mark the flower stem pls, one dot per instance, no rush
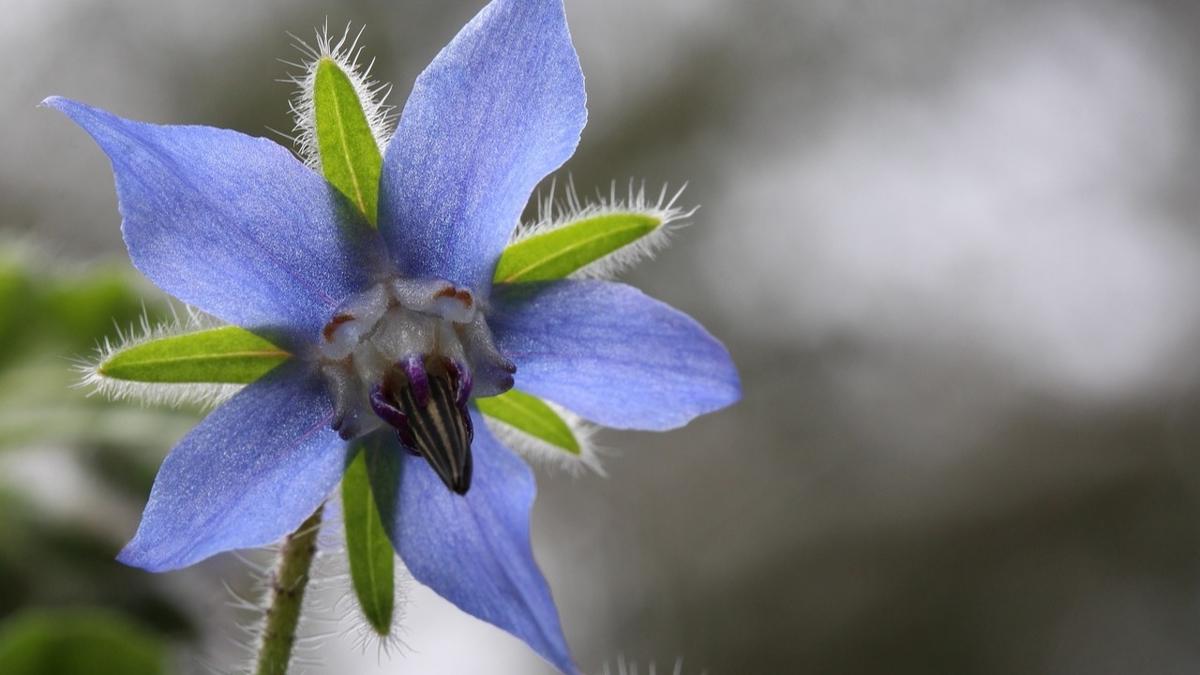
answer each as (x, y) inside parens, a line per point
(287, 595)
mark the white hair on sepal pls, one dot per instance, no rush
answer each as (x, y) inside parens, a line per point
(345, 52)
(172, 394)
(555, 212)
(536, 450)
(344, 605)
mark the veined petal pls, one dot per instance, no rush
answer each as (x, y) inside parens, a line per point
(232, 224)
(499, 108)
(473, 550)
(611, 354)
(251, 472)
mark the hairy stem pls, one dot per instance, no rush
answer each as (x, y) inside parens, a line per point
(287, 595)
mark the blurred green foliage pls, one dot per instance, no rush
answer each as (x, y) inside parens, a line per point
(39, 310)
(78, 642)
(66, 604)
(47, 320)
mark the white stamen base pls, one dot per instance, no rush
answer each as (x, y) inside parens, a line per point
(369, 338)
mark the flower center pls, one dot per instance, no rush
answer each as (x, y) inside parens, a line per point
(409, 354)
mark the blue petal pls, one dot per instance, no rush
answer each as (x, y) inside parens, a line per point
(472, 550)
(232, 224)
(611, 354)
(249, 474)
(499, 108)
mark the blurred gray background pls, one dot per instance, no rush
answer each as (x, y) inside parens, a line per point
(953, 247)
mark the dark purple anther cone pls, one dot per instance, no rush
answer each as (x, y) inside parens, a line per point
(430, 416)
(462, 378)
(414, 367)
(387, 411)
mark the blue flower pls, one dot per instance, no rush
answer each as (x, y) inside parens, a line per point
(394, 330)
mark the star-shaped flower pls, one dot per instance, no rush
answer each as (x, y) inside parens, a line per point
(393, 332)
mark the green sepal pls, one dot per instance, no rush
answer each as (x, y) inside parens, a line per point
(557, 253)
(368, 547)
(225, 355)
(350, 157)
(531, 415)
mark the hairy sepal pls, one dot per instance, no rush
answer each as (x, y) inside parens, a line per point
(541, 431)
(350, 156)
(192, 361)
(368, 549)
(590, 241)
(331, 68)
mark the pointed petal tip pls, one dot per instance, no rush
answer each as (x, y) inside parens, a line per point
(133, 556)
(184, 192)
(732, 392)
(76, 111)
(513, 77)
(474, 549)
(88, 118)
(571, 342)
(127, 557)
(725, 391)
(67, 106)
(145, 556)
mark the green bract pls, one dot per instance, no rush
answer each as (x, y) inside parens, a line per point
(532, 416)
(562, 251)
(350, 157)
(226, 355)
(367, 545)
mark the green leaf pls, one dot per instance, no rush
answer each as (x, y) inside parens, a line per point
(369, 549)
(350, 157)
(556, 253)
(227, 355)
(532, 416)
(77, 642)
